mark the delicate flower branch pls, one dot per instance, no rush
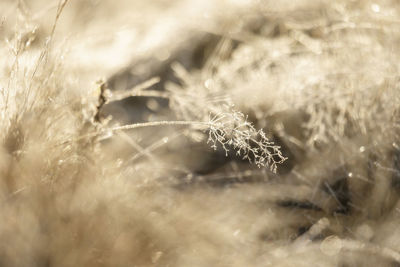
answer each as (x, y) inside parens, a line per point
(232, 129)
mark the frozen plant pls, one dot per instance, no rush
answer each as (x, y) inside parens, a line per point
(211, 113)
(232, 129)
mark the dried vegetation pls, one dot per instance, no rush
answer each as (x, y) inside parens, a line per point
(199, 133)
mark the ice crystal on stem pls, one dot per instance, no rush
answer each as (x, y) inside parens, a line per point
(233, 130)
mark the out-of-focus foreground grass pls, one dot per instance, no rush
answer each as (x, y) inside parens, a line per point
(199, 133)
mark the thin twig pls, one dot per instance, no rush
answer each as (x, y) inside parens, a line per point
(136, 90)
(159, 123)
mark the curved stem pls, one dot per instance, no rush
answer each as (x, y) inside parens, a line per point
(158, 123)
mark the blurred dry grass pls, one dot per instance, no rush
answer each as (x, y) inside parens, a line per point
(320, 77)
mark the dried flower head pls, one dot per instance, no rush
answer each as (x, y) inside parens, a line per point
(232, 129)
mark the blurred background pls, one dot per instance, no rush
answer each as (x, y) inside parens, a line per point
(321, 78)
